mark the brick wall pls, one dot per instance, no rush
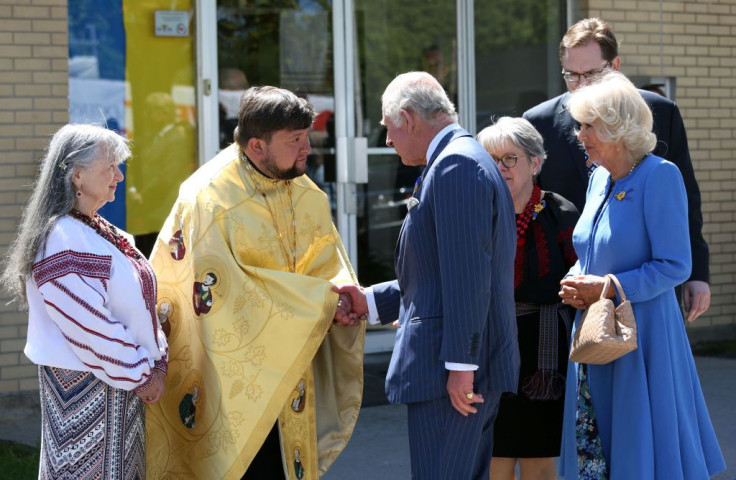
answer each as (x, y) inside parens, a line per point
(33, 105)
(692, 41)
(695, 42)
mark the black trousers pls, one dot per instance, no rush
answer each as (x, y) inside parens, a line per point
(267, 464)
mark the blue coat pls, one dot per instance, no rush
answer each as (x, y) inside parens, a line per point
(564, 171)
(651, 415)
(454, 295)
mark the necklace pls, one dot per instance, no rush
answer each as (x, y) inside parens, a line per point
(531, 210)
(284, 244)
(108, 232)
(634, 165)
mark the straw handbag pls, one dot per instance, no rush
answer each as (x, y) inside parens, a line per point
(605, 332)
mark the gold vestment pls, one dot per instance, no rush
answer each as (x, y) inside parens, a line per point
(251, 341)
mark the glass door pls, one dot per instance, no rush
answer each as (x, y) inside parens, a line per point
(393, 38)
(286, 44)
(341, 54)
(516, 55)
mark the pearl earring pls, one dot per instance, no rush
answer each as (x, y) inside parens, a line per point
(79, 193)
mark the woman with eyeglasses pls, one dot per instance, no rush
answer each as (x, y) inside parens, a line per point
(528, 427)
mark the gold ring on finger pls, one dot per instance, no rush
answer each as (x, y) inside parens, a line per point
(469, 396)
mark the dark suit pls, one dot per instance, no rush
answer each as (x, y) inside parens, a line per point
(454, 299)
(565, 173)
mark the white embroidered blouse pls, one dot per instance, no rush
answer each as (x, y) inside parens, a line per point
(92, 308)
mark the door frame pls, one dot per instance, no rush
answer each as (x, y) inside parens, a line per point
(351, 150)
(207, 83)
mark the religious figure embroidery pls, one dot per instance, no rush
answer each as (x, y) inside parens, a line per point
(298, 467)
(297, 403)
(188, 407)
(202, 297)
(176, 243)
(163, 314)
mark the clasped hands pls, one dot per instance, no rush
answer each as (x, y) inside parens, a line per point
(579, 291)
(153, 393)
(352, 306)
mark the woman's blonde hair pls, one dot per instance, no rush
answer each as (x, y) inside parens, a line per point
(617, 112)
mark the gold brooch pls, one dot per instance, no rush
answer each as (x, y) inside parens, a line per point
(620, 196)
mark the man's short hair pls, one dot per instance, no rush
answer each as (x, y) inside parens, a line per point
(418, 92)
(591, 30)
(265, 110)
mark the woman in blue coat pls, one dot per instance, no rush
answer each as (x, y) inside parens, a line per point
(643, 415)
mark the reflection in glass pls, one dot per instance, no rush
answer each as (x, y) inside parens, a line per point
(162, 116)
(97, 76)
(516, 59)
(287, 44)
(386, 47)
(382, 208)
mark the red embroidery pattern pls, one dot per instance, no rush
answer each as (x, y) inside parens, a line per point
(148, 290)
(519, 261)
(69, 261)
(147, 376)
(145, 273)
(531, 210)
(144, 386)
(107, 231)
(109, 359)
(161, 364)
(90, 331)
(564, 238)
(542, 250)
(81, 302)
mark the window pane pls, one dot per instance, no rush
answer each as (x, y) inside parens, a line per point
(517, 65)
(394, 37)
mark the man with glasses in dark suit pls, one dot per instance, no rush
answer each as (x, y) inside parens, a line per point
(588, 49)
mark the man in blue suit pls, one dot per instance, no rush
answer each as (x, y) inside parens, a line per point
(588, 49)
(456, 350)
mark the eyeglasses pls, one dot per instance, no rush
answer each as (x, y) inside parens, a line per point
(572, 77)
(509, 160)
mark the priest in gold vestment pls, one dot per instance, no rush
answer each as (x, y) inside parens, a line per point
(261, 379)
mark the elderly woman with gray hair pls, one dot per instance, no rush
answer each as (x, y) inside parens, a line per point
(528, 428)
(91, 299)
(642, 415)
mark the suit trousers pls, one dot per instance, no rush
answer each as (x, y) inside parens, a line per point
(445, 445)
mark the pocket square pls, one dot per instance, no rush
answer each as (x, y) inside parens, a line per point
(413, 202)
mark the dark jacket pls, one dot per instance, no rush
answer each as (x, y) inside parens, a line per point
(565, 173)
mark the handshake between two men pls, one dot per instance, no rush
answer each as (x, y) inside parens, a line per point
(352, 306)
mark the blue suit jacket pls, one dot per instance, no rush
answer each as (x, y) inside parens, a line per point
(454, 295)
(564, 171)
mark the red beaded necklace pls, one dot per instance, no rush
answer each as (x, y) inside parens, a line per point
(528, 215)
(108, 232)
(532, 209)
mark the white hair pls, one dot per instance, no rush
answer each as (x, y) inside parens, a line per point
(73, 147)
(417, 92)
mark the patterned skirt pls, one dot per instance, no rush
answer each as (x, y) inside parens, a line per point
(89, 429)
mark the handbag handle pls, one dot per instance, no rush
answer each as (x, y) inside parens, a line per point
(617, 286)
